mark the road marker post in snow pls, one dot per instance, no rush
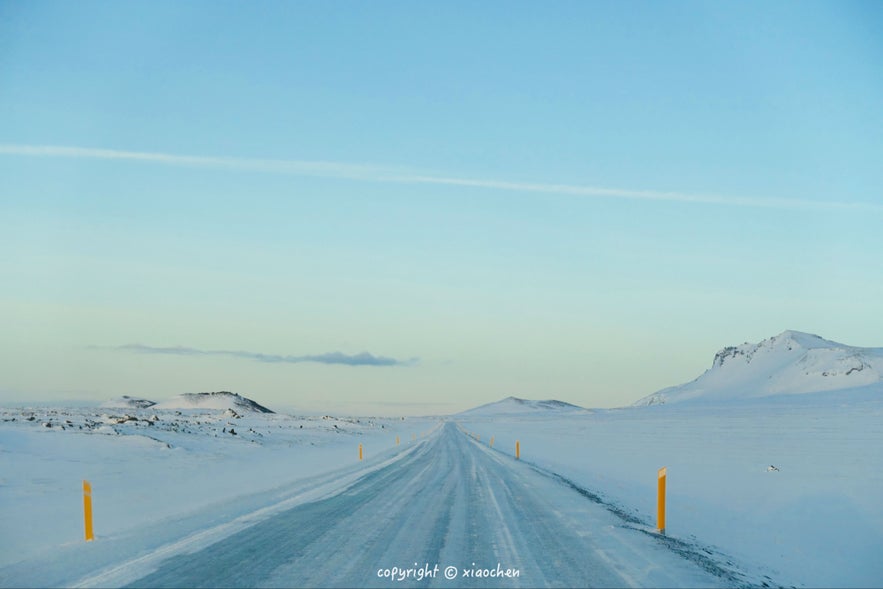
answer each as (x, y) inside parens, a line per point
(87, 510)
(517, 450)
(397, 440)
(477, 437)
(660, 503)
(492, 442)
(360, 451)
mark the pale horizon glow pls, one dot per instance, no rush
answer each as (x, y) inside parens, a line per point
(384, 209)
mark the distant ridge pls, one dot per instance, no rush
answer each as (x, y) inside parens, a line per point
(517, 406)
(221, 400)
(790, 363)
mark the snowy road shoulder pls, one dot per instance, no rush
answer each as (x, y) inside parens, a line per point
(450, 507)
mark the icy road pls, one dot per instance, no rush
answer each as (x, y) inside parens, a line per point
(448, 512)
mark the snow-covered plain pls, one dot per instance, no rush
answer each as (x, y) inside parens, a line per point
(777, 486)
(774, 457)
(817, 521)
(154, 468)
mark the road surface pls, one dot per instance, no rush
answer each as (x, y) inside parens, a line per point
(449, 506)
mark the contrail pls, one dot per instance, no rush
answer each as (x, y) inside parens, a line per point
(374, 173)
(297, 167)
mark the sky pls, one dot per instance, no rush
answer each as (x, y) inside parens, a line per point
(418, 207)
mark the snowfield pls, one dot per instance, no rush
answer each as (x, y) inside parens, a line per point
(765, 488)
(156, 468)
(182, 485)
(817, 521)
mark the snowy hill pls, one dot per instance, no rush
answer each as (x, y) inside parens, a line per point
(127, 402)
(511, 406)
(221, 400)
(789, 363)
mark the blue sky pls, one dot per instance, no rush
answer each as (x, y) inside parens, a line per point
(458, 201)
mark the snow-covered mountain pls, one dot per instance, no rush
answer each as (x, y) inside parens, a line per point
(220, 400)
(789, 363)
(127, 402)
(515, 406)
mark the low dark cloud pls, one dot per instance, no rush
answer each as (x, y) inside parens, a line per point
(363, 359)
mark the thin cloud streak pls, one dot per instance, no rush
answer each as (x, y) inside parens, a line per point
(597, 191)
(297, 167)
(373, 173)
(339, 358)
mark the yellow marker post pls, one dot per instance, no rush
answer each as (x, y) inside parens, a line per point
(87, 510)
(397, 440)
(492, 442)
(360, 451)
(660, 505)
(517, 450)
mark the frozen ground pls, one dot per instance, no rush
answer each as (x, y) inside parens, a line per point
(174, 490)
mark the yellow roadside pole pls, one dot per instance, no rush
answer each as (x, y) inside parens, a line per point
(517, 450)
(360, 451)
(87, 510)
(492, 442)
(660, 503)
